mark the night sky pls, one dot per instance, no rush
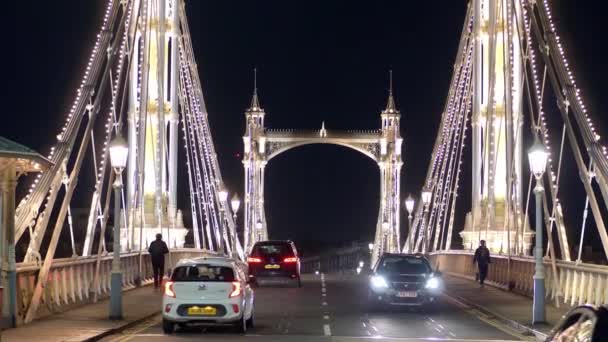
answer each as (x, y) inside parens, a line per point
(317, 61)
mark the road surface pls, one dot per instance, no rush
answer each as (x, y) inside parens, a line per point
(333, 308)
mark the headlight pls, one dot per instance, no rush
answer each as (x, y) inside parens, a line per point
(379, 282)
(433, 284)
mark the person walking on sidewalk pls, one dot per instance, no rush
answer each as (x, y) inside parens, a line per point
(482, 258)
(158, 249)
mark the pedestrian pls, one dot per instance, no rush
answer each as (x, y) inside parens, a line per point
(158, 249)
(482, 258)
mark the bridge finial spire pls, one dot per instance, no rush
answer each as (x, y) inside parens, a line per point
(390, 106)
(255, 102)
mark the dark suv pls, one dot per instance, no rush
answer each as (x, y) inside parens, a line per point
(404, 279)
(274, 262)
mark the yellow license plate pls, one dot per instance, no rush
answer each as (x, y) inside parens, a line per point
(272, 266)
(204, 311)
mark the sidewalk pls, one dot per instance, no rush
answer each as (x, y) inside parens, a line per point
(89, 322)
(511, 308)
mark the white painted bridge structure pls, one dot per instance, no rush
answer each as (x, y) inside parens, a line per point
(511, 82)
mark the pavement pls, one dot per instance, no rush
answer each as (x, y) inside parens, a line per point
(331, 308)
(89, 322)
(508, 307)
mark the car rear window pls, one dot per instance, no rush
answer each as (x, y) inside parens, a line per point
(203, 272)
(404, 265)
(280, 249)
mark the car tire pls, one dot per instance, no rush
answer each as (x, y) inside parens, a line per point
(299, 282)
(168, 327)
(250, 321)
(372, 303)
(240, 326)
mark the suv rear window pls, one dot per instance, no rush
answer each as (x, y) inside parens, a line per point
(404, 265)
(203, 272)
(280, 249)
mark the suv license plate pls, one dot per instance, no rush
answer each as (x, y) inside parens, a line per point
(272, 267)
(407, 294)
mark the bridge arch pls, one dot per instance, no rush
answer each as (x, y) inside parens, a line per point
(381, 145)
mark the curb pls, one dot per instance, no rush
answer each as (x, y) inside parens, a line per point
(540, 336)
(121, 328)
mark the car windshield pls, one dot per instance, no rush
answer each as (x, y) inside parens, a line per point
(404, 265)
(272, 249)
(203, 272)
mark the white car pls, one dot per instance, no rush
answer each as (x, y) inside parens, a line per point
(208, 290)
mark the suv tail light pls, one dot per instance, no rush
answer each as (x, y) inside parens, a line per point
(253, 260)
(236, 289)
(290, 260)
(169, 291)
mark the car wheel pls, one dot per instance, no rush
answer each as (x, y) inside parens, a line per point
(250, 321)
(168, 327)
(372, 303)
(240, 326)
(299, 282)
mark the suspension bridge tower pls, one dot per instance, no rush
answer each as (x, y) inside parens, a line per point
(497, 214)
(153, 130)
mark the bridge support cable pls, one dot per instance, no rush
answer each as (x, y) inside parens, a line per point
(112, 51)
(27, 212)
(568, 95)
(451, 132)
(212, 173)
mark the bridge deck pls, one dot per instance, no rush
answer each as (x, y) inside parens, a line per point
(299, 313)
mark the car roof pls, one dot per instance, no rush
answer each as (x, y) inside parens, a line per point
(272, 242)
(407, 255)
(210, 260)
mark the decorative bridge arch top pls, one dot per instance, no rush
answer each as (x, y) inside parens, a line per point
(382, 145)
(276, 141)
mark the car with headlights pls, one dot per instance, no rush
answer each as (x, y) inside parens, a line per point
(274, 262)
(403, 279)
(208, 291)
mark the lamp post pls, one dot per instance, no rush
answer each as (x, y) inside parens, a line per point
(385, 228)
(426, 200)
(118, 159)
(223, 194)
(258, 228)
(409, 206)
(537, 157)
(235, 202)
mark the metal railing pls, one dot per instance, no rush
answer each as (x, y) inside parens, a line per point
(574, 284)
(72, 281)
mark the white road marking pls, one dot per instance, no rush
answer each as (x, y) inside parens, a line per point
(326, 317)
(326, 330)
(324, 303)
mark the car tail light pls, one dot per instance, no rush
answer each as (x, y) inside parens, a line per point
(291, 259)
(169, 291)
(235, 308)
(236, 289)
(254, 260)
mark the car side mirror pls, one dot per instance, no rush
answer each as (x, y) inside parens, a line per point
(584, 323)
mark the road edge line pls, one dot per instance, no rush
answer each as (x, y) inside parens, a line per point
(121, 328)
(540, 336)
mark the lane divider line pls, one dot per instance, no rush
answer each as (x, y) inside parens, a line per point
(326, 330)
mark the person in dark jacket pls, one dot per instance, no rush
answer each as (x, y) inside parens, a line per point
(482, 258)
(158, 249)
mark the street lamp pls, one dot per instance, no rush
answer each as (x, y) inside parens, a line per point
(385, 228)
(223, 195)
(235, 202)
(118, 159)
(258, 228)
(537, 157)
(426, 201)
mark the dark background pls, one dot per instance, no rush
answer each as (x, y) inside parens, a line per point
(317, 61)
